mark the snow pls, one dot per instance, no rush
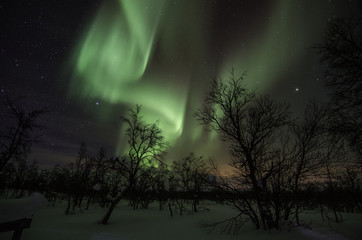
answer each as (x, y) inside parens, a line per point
(106, 236)
(127, 224)
(320, 235)
(15, 209)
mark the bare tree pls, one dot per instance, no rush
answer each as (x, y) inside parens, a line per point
(191, 173)
(146, 147)
(309, 144)
(99, 165)
(16, 140)
(150, 185)
(341, 52)
(250, 123)
(75, 173)
(23, 177)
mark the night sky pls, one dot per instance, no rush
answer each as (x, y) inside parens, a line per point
(87, 61)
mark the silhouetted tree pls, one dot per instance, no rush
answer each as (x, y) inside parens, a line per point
(149, 183)
(16, 140)
(75, 177)
(160, 187)
(250, 124)
(17, 135)
(146, 147)
(308, 144)
(191, 173)
(53, 184)
(341, 52)
(99, 166)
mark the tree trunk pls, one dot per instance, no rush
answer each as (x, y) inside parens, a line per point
(297, 214)
(170, 208)
(111, 208)
(68, 206)
(88, 202)
(194, 206)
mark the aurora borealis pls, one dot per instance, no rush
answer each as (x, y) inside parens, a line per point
(161, 54)
(113, 57)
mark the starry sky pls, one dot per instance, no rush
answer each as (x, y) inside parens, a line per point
(87, 61)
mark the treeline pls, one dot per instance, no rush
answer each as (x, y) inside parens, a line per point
(280, 165)
(94, 180)
(97, 180)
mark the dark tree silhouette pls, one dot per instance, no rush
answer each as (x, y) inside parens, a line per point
(99, 165)
(146, 147)
(308, 142)
(76, 177)
(17, 135)
(250, 123)
(191, 174)
(341, 52)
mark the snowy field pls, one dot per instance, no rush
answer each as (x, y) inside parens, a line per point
(126, 224)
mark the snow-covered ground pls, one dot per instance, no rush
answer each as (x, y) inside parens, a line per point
(15, 209)
(126, 224)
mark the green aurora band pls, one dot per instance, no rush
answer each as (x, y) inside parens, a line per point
(287, 36)
(113, 60)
